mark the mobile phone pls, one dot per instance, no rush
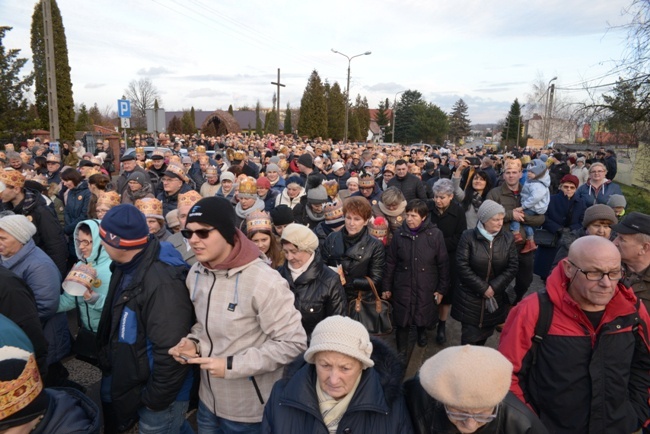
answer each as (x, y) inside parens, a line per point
(187, 359)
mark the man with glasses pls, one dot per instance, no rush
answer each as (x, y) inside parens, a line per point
(589, 370)
(633, 241)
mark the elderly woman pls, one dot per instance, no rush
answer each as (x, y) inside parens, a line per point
(227, 188)
(138, 187)
(598, 188)
(473, 195)
(417, 274)
(249, 202)
(259, 230)
(487, 262)
(317, 289)
(392, 207)
(449, 217)
(466, 390)
(347, 385)
(105, 201)
(564, 214)
(152, 210)
(292, 193)
(598, 220)
(353, 251)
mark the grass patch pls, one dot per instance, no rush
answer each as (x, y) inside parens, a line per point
(637, 199)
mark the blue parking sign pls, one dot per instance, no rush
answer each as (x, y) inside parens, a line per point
(124, 108)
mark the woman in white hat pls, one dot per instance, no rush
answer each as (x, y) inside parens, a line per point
(347, 385)
(466, 390)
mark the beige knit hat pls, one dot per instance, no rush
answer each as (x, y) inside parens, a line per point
(343, 335)
(300, 236)
(467, 377)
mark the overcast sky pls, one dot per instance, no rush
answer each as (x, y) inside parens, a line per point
(210, 54)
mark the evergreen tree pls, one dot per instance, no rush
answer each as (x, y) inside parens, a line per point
(624, 109)
(362, 114)
(187, 123)
(405, 117)
(16, 117)
(193, 117)
(258, 121)
(335, 113)
(382, 117)
(271, 122)
(84, 122)
(432, 123)
(175, 126)
(288, 128)
(459, 123)
(230, 110)
(512, 122)
(65, 101)
(95, 115)
(313, 109)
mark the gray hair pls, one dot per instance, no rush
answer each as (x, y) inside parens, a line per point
(392, 196)
(13, 155)
(443, 186)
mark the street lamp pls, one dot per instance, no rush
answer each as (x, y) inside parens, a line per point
(347, 89)
(519, 123)
(394, 114)
(550, 89)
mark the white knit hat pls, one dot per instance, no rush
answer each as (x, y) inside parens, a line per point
(300, 236)
(343, 335)
(489, 209)
(467, 377)
(19, 227)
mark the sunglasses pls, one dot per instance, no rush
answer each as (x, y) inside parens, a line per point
(201, 233)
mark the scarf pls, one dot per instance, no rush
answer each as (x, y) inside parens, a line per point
(485, 233)
(399, 211)
(297, 272)
(313, 216)
(243, 252)
(331, 409)
(477, 200)
(243, 213)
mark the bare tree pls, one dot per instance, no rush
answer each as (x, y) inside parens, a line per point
(142, 94)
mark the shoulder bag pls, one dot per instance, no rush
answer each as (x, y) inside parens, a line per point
(374, 315)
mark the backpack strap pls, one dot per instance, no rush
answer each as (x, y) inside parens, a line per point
(543, 322)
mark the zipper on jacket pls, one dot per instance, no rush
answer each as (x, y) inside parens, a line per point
(487, 280)
(207, 332)
(257, 390)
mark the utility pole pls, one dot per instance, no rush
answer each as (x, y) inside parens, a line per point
(50, 71)
(550, 112)
(279, 85)
(519, 123)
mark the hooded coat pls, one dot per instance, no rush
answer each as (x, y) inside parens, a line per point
(377, 406)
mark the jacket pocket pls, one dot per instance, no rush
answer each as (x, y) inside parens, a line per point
(128, 331)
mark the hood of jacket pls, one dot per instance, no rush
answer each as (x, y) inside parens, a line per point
(98, 255)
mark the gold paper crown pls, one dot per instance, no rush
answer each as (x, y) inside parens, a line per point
(390, 168)
(53, 158)
(178, 171)
(331, 187)
(211, 171)
(204, 158)
(109, 198)
(366, 180)
(175, 159)
(201, 149)
(139, 150)
(333, 211)
(158, 153)
(258, 221)
(283, 165)
(12, 177)
(239, 155)
(248, 186)
(189, 198)
(150, 207)
(378, 227)
(31, 175)
(17, 394)
(83, 274)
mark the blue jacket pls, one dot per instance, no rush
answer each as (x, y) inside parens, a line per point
(76, 206)
(535, 194)
(280, 185)
(591, 195)
(69, 412)
(558, 212)
(90, 311)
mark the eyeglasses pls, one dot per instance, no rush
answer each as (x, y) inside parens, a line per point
(596, 276)
(82, 243)
(201, 233)
(597, 171)
(480, 418)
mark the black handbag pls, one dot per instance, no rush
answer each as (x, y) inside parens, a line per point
(85, 344)
(545, 238)
(374, 315)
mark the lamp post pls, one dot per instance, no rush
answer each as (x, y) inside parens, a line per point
(550, 88)
(519, 123)
(394, 114)
(347, 89)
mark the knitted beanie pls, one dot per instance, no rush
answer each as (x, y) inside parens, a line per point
(343, 335)
(19, 227)
(537, 167)
(306, 160)
(467, 377)
(227, 176)
(138, 177)
(317, 195)
(272, 168)
(599, 211)
(263, 182)
(489, 209)
(300, 236)
(124, 227)
(616, 200)
(295, 179)
(216, 212)
(570, 178)
(172, 219)
(333, 212)
(281, 215)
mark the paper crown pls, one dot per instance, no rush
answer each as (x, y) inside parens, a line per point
(12, 177)
(158, 153)
(333, 211)
(332, 187)
(33, 176)
(189, 198)
(390, 168)
(248, 186)
(150, 207)
(53, 158)
(283, 164)
(367, 181)
(81, 278)
(211, 171)
(175, 159)
(378, 227)
(177, 171)
(139, 150)
(109, 198)
(258, 221)
(239, 155)
(17, 394)
(201, 149)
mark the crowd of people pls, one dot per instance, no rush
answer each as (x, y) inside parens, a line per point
(220, 274)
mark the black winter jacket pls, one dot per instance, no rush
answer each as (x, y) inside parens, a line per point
(429, 416)
(377, 406)
(481, 264)
(411, 187)
(416, 267)
(365, 258)
(318, 293)
(139, 324)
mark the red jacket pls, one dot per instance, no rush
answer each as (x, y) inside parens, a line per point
(584, 380)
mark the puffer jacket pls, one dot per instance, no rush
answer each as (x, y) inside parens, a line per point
(318, 293)
(367, 257)
(535, 194)
(482, 263)
(76, 207)
(592, 195)
(148, 311)
(429, 416)
(69, 412)
(377, 406)
(90, 311)
(284, 199)
(170, 201)
(416, 267)
(411, 187)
